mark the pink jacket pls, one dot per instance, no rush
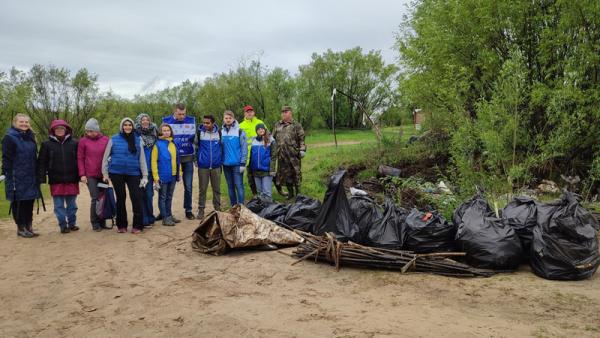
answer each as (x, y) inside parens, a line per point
(89, 155)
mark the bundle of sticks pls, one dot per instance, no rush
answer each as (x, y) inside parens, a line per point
(328, 249)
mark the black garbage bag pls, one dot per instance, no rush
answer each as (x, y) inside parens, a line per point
(488, 242)
(565, 242)
(521, 215)
(274, 212)
(366, 213)
(387, 233)
(335, 215)
(426, 232)
(302, 213)
(257, 203)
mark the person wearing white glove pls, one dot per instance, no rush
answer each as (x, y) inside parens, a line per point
(302, 154)
(124, 163)
(263, 151)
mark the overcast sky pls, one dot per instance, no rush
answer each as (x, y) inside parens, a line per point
(142, 46)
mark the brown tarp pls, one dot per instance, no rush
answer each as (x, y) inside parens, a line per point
(239, 228)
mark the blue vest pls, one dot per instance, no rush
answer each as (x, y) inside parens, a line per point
(123, 162)
(184, 133)
(260, 157)
(210, 151)
(233, 152)
(165, 167)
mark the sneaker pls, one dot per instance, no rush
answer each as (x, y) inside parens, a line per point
(65, 230)
(122, 230)
(22, 232)
(168, 222)
(135, 231)
(175, 220)
(158, 218)
(200, 214)
(96, 227)
(189, 215)
(73, 227)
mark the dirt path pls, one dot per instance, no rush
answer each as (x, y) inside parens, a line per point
(108, 284)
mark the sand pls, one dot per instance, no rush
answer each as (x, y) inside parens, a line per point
(88, 284)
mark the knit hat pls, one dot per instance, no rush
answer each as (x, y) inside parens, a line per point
(92, 125)
(127, 119)
(260, 125)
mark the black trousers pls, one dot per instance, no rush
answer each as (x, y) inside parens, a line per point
(132, 183)
(22, 212)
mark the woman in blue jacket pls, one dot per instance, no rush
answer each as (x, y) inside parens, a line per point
(124, 164)
(235, 153)
(19, 155)
(263, 154)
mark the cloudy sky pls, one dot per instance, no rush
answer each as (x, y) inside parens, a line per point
(142, 46)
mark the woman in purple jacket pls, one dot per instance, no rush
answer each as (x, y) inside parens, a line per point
(89, 159)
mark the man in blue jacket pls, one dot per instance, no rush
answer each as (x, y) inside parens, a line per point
(184, 130)
(210, 159)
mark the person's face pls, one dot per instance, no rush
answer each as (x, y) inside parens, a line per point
(249, 114)
(145, 122)
(227, 119)
(127, 127)
(22, 123)
(91, 133)
(286, 115)
(208, 124)
(166, 131)
(260, 132)
(179, 114)
(60, 131)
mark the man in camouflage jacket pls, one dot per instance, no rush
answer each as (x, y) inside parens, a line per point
(289, 137)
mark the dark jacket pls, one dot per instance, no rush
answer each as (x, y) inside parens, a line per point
(19, 152)
(58, 159)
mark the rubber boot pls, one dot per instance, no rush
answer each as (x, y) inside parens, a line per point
(29, 228)
(22, 232)
(297, 190)
(280, 191)
(291, 193)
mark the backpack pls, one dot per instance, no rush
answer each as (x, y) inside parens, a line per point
(106, 206)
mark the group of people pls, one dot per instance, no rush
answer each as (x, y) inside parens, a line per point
(144, 159)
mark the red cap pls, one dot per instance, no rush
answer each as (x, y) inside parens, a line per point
(246, 108)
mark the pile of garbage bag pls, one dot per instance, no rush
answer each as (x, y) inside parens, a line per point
(559, 239)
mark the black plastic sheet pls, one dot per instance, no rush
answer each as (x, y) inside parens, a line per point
(335, 216)
(488, 242)
(302, 213)
(387, 233)
(565, 242)
(521, 215)
(426, 232)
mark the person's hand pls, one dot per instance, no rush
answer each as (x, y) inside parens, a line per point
(157, 185)
(83, 179)
(302, 153)
(106, 179)
(242, 169)
(272, 174)
(143, 182)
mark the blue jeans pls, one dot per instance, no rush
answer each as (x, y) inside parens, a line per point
(188, 176)
(235, 184)
(263, 185)
(147, 207)
(66, 216)
(165, 198)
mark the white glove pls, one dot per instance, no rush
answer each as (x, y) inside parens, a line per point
(143, 182)
(302, 153)
(272, 174)
(242, 169)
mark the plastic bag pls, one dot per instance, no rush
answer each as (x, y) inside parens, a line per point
(521, 215)
(335, 216)
(366, 212)
(487, 240)
(387, 233)
(302, 214)
(274, 212)
(565, 242)
(425, 232)
(258, 203)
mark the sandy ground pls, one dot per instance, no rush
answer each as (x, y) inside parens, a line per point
(89, 284)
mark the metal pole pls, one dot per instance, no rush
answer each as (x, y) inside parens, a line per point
(333, 116)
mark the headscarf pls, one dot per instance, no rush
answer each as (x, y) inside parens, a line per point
(148, 135)
(130, 138)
